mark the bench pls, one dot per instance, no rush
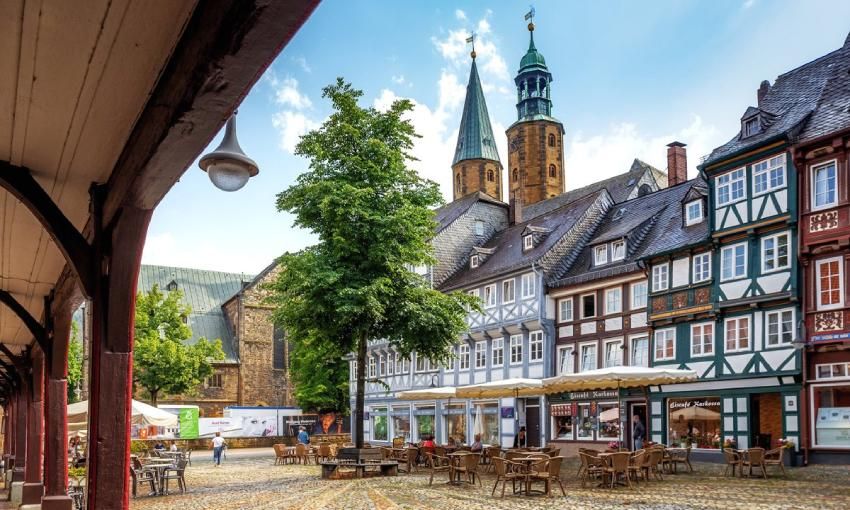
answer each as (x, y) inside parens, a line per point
(332, 470)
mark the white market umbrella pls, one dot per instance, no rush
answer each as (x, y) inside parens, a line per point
(142, 414)
(609, 414)
(515, 387)
(616, 377)
(428, 393)
(694, 413)
(478, 426)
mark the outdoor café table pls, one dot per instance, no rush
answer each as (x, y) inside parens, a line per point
(670, 454)
(160, 465)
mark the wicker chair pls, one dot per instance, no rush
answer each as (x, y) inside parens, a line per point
(618, 463)
(279, 454)
(733, 460)
(469, 467)
(323, 452)
(591, 467)
(775, 458)
(636, 465)
(679, 457)
(551, 474)
(398, 442)
(141, 476)
(652, 463)
(754, 458)
(302, 453)
(589, 451)
(504, 474)
(438, 464)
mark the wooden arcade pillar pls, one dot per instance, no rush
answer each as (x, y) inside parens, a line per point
(56, 419)
(33, 488)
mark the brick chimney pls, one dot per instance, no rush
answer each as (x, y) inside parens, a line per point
(515, 207)
(677, 164)
(764, 88)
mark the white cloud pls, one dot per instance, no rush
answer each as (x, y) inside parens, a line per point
(287, 94)
(292, 126)
(747, 4)
(302, 63)
(592, 158)
(399, 79)
(459, 14)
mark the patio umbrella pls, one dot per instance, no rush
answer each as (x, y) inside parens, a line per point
(478, 426)
(694, 413)
(143, 414)
(609, 415)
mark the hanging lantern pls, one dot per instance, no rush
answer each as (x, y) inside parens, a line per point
(228, 167)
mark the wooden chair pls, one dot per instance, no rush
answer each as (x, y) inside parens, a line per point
(469, 467)
(323, 453)
(679, 457)
(439, 464)
(279, 454)
(176, 473)
(504, 474)
(636, 465)
(618, 463)
(754, 458)
(302, 453)
(775, 458)
(588, 451)
(551, 474)
(733, 460)
(652, 463)
(591, 467)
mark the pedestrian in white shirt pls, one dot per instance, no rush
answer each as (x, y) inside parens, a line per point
(218, 445)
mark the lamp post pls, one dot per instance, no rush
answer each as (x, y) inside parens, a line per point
(228, 167)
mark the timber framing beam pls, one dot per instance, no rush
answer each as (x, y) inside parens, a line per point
(77, 251)
(38, 331)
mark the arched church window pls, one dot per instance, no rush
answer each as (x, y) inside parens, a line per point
(644, 190)
(457, 181)
(553, 172)
(516, 175)
(551, 140)
(490, 176)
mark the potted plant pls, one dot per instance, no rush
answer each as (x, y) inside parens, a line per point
(730, 444)
(790, 457)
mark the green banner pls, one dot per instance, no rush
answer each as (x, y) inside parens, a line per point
(188, 423)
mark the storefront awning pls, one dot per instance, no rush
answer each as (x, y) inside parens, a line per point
(503, 388)
(616, 377)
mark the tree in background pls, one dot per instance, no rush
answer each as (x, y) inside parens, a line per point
(374, 219)
(75, 364)
(163, 363)
(319, 374)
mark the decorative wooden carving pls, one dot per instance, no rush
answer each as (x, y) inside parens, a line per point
(702, 296)
(659, 304)
(829, 321)
(680, 300)
(823, 221)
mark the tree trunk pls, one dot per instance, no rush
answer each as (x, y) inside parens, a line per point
(361, 391)
(154, 394)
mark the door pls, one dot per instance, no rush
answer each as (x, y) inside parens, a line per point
(532, 424)
(638, 410)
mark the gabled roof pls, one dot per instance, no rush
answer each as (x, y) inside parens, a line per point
(509, 255)
(832, 113)
(475, 138)
(445, 215)
(205, 292)
(786, 106)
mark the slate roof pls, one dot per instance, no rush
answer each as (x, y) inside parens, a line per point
(508, 254)
(786, 106)
(445, 215)
(832, 113)
(475, 138)
(205, 292)
(652, 224)
(619, 187)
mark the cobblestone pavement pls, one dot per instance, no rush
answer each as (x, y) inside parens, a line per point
(258, 483)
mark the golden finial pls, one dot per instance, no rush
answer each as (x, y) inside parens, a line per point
(471, 39)
(531, 27)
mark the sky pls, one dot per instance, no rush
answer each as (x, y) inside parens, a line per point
(628, 78)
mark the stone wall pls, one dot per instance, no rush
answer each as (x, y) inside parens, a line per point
(210, 400)
(530, 154)
(472, 175)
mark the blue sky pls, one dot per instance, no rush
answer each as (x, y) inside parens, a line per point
(629, 77)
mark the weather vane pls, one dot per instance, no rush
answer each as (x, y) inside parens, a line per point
(471, 39)
(529, 17)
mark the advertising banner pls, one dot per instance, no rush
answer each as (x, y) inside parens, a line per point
(188, 419)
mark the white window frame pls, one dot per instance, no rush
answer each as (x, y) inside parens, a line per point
(621, 244)
(516, 341)
(818, 288)
(373, 367)
(593, 345)
(764, 259)
(706, 257)
(779, 333)
(490, 296)
(619, 291)
(618, 350)
(699, 349)
(535, 346)
(657, 274)
(566, 357)
(505, 285)
(527, 242)
(498, 345)
(696, 219)
(405, 365)
(528, 284)
(669, 334)
(633, 350)
(463, 356)
(479, 227)
(746, 129)
(595, 305)
(767, 171)
(566, 305)
(390, 363)
(481, 354)
(731, 248)
(732, 179)
(473, 261)
(600, 255)
(636, 306)
(737, 321)
(813, 173)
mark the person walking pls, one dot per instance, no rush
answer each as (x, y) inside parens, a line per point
(638, 432)
(303, 437)
(218, 445)
(520, 440)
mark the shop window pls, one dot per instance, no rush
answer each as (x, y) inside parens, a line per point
(832, 371)
(832, 414)
(609, 422)
(694, 422)
(378, 416)
(562, 424)
(489, 413)
(401, 423)
(584, 423)
(454, 420)
(424, 417)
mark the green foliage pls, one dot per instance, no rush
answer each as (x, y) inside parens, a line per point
(162, 361)
(76, 472)
(138, 447)
(75, 363)
(320, 375)
(374, 219)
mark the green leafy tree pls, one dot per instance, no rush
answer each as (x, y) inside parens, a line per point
(163, 363)
(319, 374)
(373, 217)
(75, 363)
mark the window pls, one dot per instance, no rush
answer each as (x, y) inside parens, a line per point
(751, 126)
(516, 175)
(601, 255)
(405, 365)
(279, 348)
(702, 339)
(825, 181)
(640, 352)
(832, 371)
(780, 327)
(535, 346)
(665, 344)
(463, 355)
(498, 354)
(588, 306)
(527, 282)
(508, 291)
(693, 212)
(473, 261)
(490, 176)
(373, 367)
(618, 250)
(551, 140)
(565, 360)
(380, 430)
(480, 354)
(565, 309)
(474, 293)
(730, 187)
(638, 295)
(733, 262)
(613, 353)
(829, 406)
(685, 431)
(490, 296)
(660, 277)
(216, 380)
(527, 242)
(613, 300)
(382, 365)
(390, 363)
(588, 357)
(516, 349)
(479, 228)
(553, 171)
(774, 252)
(769, 174)
(457, 182)
(830, 279)
(423, 364)
(738, 334)
(702, 267)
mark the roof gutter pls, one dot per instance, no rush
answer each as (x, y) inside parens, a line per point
(705, 167)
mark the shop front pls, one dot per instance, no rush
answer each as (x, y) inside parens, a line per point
(829, 410)
(593, 419)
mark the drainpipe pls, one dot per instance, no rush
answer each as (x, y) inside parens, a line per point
(544, 426)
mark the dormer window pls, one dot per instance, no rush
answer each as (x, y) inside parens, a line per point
(479, 228)
(751, 126)
(618, 250)
(172, 286)
(473, 261)
(600, 255)
(527, 242)
(693, 212)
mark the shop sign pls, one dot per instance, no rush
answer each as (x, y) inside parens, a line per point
(592, 395)
(561, 409)
(826, 338)
(681, 404)
(507, 412)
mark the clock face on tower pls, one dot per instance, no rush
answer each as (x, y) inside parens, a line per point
(514, 145)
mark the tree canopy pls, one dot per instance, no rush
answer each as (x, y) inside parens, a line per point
(319, 374)
(373, 217)
(75, 363)
(163, 363)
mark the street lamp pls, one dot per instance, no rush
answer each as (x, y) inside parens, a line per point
(228, 167)
(799, 342)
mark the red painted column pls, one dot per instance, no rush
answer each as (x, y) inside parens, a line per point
(56, 417)
(111, 372)
(21, 405)
(33, 483)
